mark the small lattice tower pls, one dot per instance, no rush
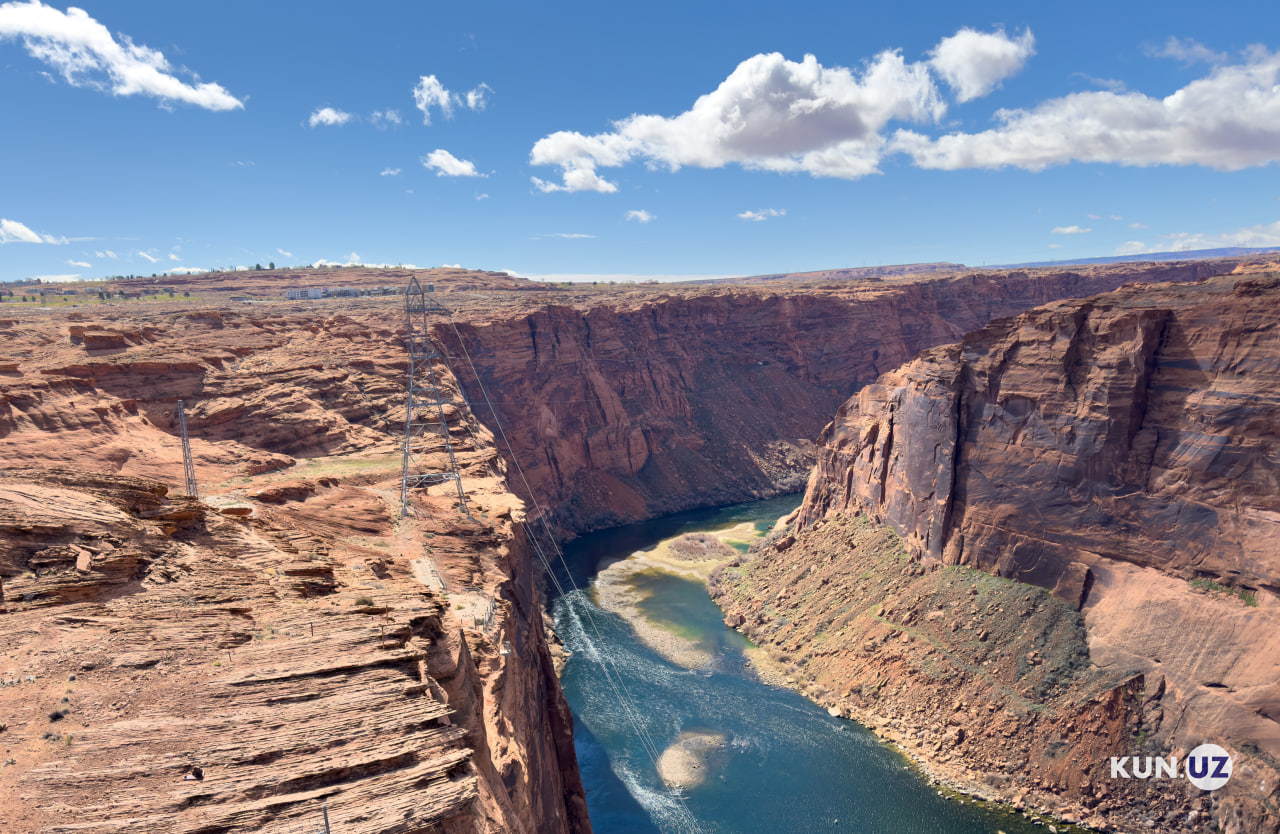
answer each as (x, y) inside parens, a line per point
(188, 467)
(428, 451)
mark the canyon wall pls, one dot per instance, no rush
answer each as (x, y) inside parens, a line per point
(1121, 452)
(1140, 427)
(287, 643)
(637, 404)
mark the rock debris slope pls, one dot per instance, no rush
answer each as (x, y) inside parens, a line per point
(1120, 452)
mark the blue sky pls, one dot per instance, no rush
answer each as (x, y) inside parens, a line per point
(658, 139)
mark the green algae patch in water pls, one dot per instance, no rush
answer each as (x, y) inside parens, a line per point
(662, 592)
(682, 607)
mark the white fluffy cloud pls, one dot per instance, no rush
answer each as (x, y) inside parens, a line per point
(429, 93)
(1228, 120)
(328, 116)
(148, 256)
(282, 252)
(81, 264)
(390, 172)
(777, 115)
(576, 179)
(641, 216)
(1069, 230)
(446, 164)
(762, 214)
(11, 231)
(106, 254)
(769, 114)
(87, 55)
(974, 63)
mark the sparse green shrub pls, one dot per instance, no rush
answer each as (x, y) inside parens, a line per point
(1246, 596)
(364, 601)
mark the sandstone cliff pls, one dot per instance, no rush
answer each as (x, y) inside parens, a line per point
(620, 404)
(626, 406)
(1120, 451)
(287, 642)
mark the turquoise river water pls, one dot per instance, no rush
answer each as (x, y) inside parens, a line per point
(786, 765)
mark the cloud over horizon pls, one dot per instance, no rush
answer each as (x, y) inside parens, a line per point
(87, 55)
(1251, 237)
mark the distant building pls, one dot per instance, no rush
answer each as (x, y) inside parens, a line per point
(343, 292)
(303, 293)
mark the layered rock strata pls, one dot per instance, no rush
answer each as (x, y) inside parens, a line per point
(621, 408)
(285, 644)
(1121, 452)
(620, 404)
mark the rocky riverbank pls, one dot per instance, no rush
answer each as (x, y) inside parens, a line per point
(1052, 544)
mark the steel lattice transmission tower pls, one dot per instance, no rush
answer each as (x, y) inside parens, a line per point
(426, 430)
(187, 465)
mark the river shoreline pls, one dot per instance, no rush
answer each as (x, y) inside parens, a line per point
(681, 765)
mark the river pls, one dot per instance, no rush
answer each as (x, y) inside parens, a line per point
(771, 760)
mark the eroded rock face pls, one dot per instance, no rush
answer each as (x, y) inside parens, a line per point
(658, 402)
(620, 405)
(1138, 427)
(287, 641)
(1122, 452)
